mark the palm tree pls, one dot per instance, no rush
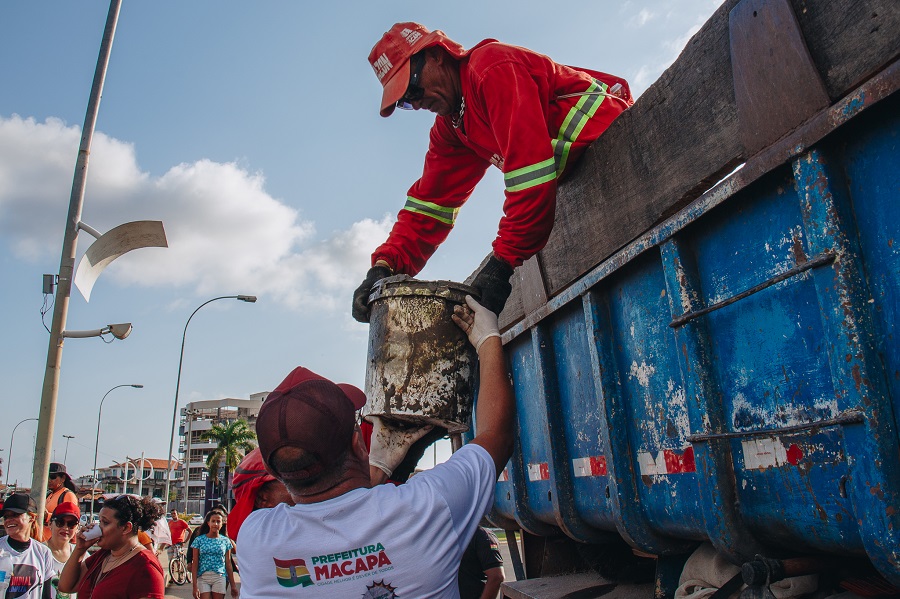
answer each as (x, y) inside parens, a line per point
(234, 441)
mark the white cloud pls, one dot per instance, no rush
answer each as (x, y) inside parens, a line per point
(643, 17)
(225, 231)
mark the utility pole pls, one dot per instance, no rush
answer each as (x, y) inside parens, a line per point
(50, 390)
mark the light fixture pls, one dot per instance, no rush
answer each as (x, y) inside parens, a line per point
(119, 331)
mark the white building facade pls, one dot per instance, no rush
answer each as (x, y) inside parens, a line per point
(196, 419)
(147, 477)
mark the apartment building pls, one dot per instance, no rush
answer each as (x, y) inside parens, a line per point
(147, 477)
(197, 418)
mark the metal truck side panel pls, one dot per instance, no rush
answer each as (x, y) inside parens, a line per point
(733, 375)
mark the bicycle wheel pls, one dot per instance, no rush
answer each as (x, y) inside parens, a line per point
(178, 570)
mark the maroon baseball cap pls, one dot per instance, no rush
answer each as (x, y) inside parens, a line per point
(312, 413)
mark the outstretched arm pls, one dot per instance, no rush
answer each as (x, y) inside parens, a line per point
(496, 408)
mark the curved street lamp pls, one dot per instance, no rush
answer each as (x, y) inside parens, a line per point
(67, 438)
(9, 455)
(251, 299)
(97, 442)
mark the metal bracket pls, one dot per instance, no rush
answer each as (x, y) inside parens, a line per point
(848, 417)
(818, 260)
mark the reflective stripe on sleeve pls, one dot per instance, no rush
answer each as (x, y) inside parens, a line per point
(442, 213)
(529, 176)
(548, 170)
(578, 116)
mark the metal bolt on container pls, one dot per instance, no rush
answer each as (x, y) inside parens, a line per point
(421, 368)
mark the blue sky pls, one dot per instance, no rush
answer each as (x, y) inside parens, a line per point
(251, 130)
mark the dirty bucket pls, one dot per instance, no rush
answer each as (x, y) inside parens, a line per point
(421, 367)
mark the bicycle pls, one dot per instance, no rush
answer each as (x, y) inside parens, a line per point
(178, 567)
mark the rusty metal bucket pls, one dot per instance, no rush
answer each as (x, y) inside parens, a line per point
(421, 367)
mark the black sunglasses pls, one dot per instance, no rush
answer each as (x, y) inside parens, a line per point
(67, 522)
(55, 476)
(413, 91)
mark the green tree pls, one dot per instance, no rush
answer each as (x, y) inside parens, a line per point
(234, 440)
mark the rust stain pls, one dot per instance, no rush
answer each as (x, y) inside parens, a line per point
(857, 377)
(876, 491)
(823, 515)
(797, 250)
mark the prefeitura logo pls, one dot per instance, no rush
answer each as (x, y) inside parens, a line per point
(380, 590)
(292, 572)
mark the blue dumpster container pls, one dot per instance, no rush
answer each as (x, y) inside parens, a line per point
(733, 375)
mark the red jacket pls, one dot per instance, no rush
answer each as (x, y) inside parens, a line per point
(516, 117)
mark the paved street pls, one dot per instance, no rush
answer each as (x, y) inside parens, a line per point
(178, 592)
(173, 591)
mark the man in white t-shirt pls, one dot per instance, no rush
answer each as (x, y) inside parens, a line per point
(344, 538)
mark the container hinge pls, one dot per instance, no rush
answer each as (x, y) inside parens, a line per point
(846, 417)
(818, 260)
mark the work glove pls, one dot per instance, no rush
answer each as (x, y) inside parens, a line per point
(476, 321)
(405, 469)
(391, 442)
(360, 309)
(493, 284)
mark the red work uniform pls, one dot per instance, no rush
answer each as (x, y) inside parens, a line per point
(525, 114)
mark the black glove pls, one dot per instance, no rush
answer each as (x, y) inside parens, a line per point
(402, 472)
(493, 284)
(360, 309)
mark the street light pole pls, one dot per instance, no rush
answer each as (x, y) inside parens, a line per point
(243, 298)
(97, 442)
(9, 455)
(66, 454)
(50, 389)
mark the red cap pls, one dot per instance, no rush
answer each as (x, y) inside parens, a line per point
(390, 58)
(66, 509)
(309, 412)
(249, 477)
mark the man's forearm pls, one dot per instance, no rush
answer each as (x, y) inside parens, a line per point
(495, 578)
(495, 411)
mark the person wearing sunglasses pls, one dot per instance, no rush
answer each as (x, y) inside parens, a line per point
(498, 105)
(60, 489)
(63, 527)
(33, 565)
(122, 568)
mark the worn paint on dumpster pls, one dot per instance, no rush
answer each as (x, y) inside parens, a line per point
(731, 376)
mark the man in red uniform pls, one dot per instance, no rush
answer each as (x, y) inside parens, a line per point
(495, 104)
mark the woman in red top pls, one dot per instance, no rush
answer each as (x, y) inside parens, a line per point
(122, 569)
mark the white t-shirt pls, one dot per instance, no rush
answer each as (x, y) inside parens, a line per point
(30, 569)
(54, 580)
(160, 533)
(403, 541)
